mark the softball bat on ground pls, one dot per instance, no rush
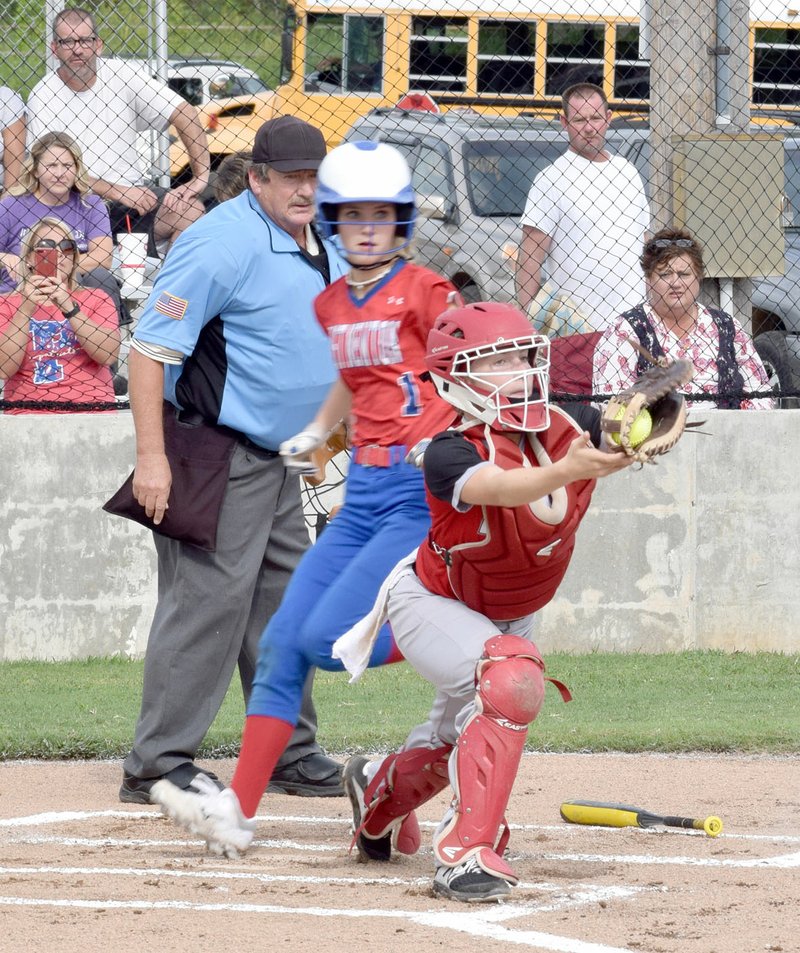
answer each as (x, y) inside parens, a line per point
(621, 815)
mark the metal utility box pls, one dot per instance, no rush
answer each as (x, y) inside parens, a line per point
(729, 192)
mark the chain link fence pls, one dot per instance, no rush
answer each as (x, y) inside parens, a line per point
(472, 98)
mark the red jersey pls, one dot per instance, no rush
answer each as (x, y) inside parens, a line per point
(378, 344)
(504, 562)
(55, 366)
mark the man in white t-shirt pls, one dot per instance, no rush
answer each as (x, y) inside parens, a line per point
(587, 216)
(103, 104)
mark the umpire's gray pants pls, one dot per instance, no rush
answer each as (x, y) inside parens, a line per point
(211, 611)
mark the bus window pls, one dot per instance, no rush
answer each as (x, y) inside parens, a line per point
(631, 74)
(574, 55)
(776, 67)
(438, 54)
(344, 54)
(506, 56)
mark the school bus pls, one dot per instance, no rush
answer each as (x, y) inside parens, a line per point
(342, 59)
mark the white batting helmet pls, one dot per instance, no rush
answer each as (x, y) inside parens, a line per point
(365, 172)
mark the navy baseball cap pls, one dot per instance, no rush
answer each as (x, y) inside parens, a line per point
(288, 144)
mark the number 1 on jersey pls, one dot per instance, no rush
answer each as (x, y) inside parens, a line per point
(412, 407)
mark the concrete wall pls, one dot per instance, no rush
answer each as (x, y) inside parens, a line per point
(699, 551)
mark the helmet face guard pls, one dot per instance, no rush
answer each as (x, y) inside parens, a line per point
(505, 399)
(366, 172)
(516, 401)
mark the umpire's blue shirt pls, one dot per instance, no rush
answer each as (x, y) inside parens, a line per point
(234, 296)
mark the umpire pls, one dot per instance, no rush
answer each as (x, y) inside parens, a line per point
(228, 361)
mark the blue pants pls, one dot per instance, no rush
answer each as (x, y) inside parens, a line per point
(384, 518)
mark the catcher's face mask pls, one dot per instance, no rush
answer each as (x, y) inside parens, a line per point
(506, 383)
(485, 360)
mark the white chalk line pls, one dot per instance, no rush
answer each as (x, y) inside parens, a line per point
(142, 842)
(486, 922)
(580, 893)
(57, 817)
(177, 874)
(785, 861)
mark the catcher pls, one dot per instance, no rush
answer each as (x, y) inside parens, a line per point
(507, 486)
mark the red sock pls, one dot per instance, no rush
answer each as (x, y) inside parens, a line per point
(394, 654)
(263, 742)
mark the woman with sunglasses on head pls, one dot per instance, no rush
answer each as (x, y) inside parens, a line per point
(672, 323)
(57, 340)
(54, 183)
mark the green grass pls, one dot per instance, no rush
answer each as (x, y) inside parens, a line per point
(693, 701)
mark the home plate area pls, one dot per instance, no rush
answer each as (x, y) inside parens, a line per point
(79, 871)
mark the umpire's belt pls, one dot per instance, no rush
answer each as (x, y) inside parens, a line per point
(375, 456)
(192, 419)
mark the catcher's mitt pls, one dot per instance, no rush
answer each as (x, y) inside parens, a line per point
(656, 392)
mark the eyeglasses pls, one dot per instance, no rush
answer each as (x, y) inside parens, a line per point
(660, 243)
(70, 42)
(66, 244)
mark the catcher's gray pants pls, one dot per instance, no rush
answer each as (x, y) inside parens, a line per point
(211, 611)
(443, 639)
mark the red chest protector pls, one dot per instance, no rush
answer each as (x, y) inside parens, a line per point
(507, 562)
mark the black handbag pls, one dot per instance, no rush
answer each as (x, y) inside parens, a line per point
(199, 456)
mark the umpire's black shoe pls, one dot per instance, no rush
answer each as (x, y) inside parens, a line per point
(135, 790)
(316, 775)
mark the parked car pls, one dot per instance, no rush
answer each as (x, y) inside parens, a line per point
(200, 80)
(472, 174)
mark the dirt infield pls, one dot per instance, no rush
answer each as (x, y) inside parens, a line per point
(81, 872)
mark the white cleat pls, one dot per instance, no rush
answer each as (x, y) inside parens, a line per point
(205, 810)
(469, 883)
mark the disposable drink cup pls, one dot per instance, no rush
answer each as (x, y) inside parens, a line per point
(132, 257)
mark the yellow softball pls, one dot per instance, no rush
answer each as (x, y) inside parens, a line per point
(640, 428)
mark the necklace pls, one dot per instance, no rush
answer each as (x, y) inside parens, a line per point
(358, 285)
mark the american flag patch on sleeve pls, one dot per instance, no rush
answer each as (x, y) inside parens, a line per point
(171, 306)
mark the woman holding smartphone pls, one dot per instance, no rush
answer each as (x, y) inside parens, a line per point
(57, 340)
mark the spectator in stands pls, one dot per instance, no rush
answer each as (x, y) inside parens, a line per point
(586, 215)
(585, 218)
(57, 340)
(104, 104)
(54, 183)
(12, 144)
(671, 323)
(231, 177)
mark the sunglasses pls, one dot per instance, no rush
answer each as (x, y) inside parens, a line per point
(66, 244)
(660, 243)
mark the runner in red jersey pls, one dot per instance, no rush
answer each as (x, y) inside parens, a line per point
(507, 487)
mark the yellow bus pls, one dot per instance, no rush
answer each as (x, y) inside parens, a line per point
(342, 59)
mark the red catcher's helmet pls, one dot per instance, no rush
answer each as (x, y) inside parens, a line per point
(506, 400)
